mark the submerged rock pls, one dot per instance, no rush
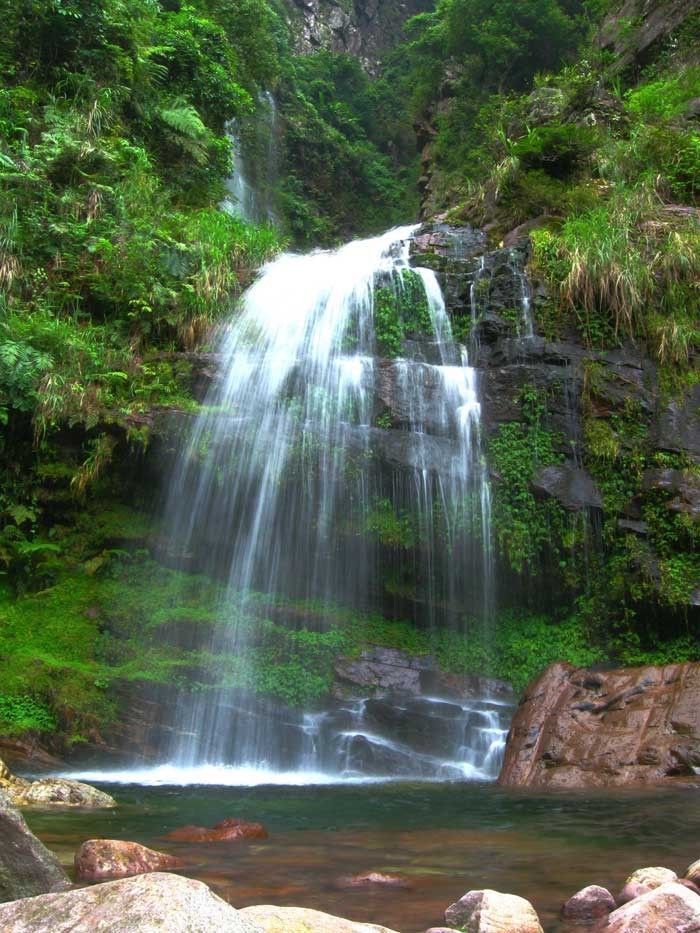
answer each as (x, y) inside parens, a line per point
(27, 868)
(99, 859)
(373, 878)
(588, 904)
(230, 830)
(147, 904)
(670, 908)
(301, 920)
(578, 728)
(492, 912)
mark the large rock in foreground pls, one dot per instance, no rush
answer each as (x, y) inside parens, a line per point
(300, 920)
(27, 868)
(670, 908)
(577, 728)
(147, 904)
(100, 859)
(492, 912)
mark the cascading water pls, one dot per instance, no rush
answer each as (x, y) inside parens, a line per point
(285, 489)
(250, 186)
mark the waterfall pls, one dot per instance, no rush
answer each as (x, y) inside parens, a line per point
(250, 187)
(285, 485)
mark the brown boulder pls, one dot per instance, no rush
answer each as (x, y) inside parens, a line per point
(588, 904)
(670, 908)
(230, 830)
(578, 728)
(100, 859)
(630, 891)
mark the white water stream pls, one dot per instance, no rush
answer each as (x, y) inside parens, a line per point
(275, 490)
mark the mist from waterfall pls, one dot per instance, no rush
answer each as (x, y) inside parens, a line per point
(280, 482)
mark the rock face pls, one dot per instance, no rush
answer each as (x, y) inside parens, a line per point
(577, 728)
(492, 912)
(363, 28)
(645, 25)
(588, 905)
(101, 859)
(670, 908)
(147, 904)
(300, 920)
(27, 868)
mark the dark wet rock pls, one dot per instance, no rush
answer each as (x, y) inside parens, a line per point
(381, 669)
(670, 908)
(487, 911)
(519, 233)
(577, 728)
(572, 487)
(102, 859)
(687, 883)
(678, 426)
(588, 904)
(145, 903)
(230, 830)
(27, 868)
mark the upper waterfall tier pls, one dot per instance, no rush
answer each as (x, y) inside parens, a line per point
(337, 459)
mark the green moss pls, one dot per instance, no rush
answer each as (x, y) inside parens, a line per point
(400, 311)
(524, 527)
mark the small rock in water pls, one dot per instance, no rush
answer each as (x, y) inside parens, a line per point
(588, 904)
(668, 908)
(65, 793)
(631, 890)
(100, 859)
(373, 878)
(490, 912)
(652, 877)
(693, 873)
(230, 830)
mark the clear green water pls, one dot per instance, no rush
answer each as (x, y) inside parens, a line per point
(445, 839)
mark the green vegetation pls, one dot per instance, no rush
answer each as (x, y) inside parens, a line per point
(119, 621)
(400, 311)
